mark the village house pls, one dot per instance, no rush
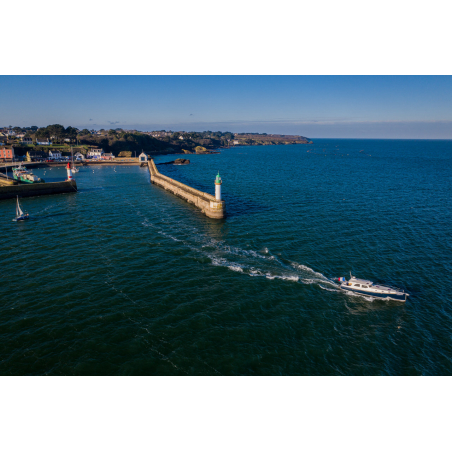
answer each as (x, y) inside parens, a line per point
(27, 141)
(143, 157)
(6, 154)
(36, 156)
(108, 156)
(79, 156)
(20, 135)
(95, 153)
(44, 141)
(55, 155)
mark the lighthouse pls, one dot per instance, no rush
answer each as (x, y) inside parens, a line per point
(218, 187)
(69, 172)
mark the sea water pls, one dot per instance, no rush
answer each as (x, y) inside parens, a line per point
(125, 278)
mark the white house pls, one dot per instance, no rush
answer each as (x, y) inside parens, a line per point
(95, 153)
(79, 156)
(44, 141)
(20, 135)
(27, 141)
(55, 155)
(143, 157)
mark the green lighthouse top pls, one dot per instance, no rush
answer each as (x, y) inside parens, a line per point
(218, 178)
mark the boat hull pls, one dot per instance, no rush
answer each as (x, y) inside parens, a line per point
(27, 181)
(393, 296)
(22, 218)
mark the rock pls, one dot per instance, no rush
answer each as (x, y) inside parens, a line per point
(181, 162)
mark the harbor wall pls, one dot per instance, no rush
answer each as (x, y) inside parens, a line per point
(203, 201)
(46, 188)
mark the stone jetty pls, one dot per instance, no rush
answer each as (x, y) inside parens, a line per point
(208, 204)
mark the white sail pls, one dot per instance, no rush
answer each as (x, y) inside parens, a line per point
(19, 212)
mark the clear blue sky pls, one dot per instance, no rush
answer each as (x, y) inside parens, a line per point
(314, 106)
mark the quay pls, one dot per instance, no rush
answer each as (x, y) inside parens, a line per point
(211, 206)
(10, 188)
(45, 188)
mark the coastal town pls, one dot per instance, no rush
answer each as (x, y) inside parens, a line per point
(55, 143)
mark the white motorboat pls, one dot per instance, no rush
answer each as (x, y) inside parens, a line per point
(365, 287)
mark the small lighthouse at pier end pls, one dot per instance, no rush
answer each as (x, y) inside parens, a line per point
(69, 172)
(218, 187)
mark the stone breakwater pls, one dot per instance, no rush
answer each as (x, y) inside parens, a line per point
(207, 203)
(46, 188)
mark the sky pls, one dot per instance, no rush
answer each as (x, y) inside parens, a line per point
(312, 106)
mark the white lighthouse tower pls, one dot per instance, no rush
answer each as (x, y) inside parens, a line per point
(69, 172)
(218, 187)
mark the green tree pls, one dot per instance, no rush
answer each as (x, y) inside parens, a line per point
(71, 133)
(57, 131)
(43, 132)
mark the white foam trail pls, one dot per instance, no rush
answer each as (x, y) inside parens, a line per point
(329, 290)
(284, 278)
(235, 268)
(170, 236)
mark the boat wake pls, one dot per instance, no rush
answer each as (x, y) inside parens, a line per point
(248, 262)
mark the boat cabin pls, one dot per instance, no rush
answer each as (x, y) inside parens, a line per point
(359, 283)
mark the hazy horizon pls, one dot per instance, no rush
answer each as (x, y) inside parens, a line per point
(386, 107)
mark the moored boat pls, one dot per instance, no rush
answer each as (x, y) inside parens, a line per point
(365, 287)
(22, 174)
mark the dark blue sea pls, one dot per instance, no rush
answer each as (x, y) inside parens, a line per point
(124, 278)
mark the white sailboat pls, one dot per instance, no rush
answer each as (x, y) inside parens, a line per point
(73, 167)
(20, 216)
